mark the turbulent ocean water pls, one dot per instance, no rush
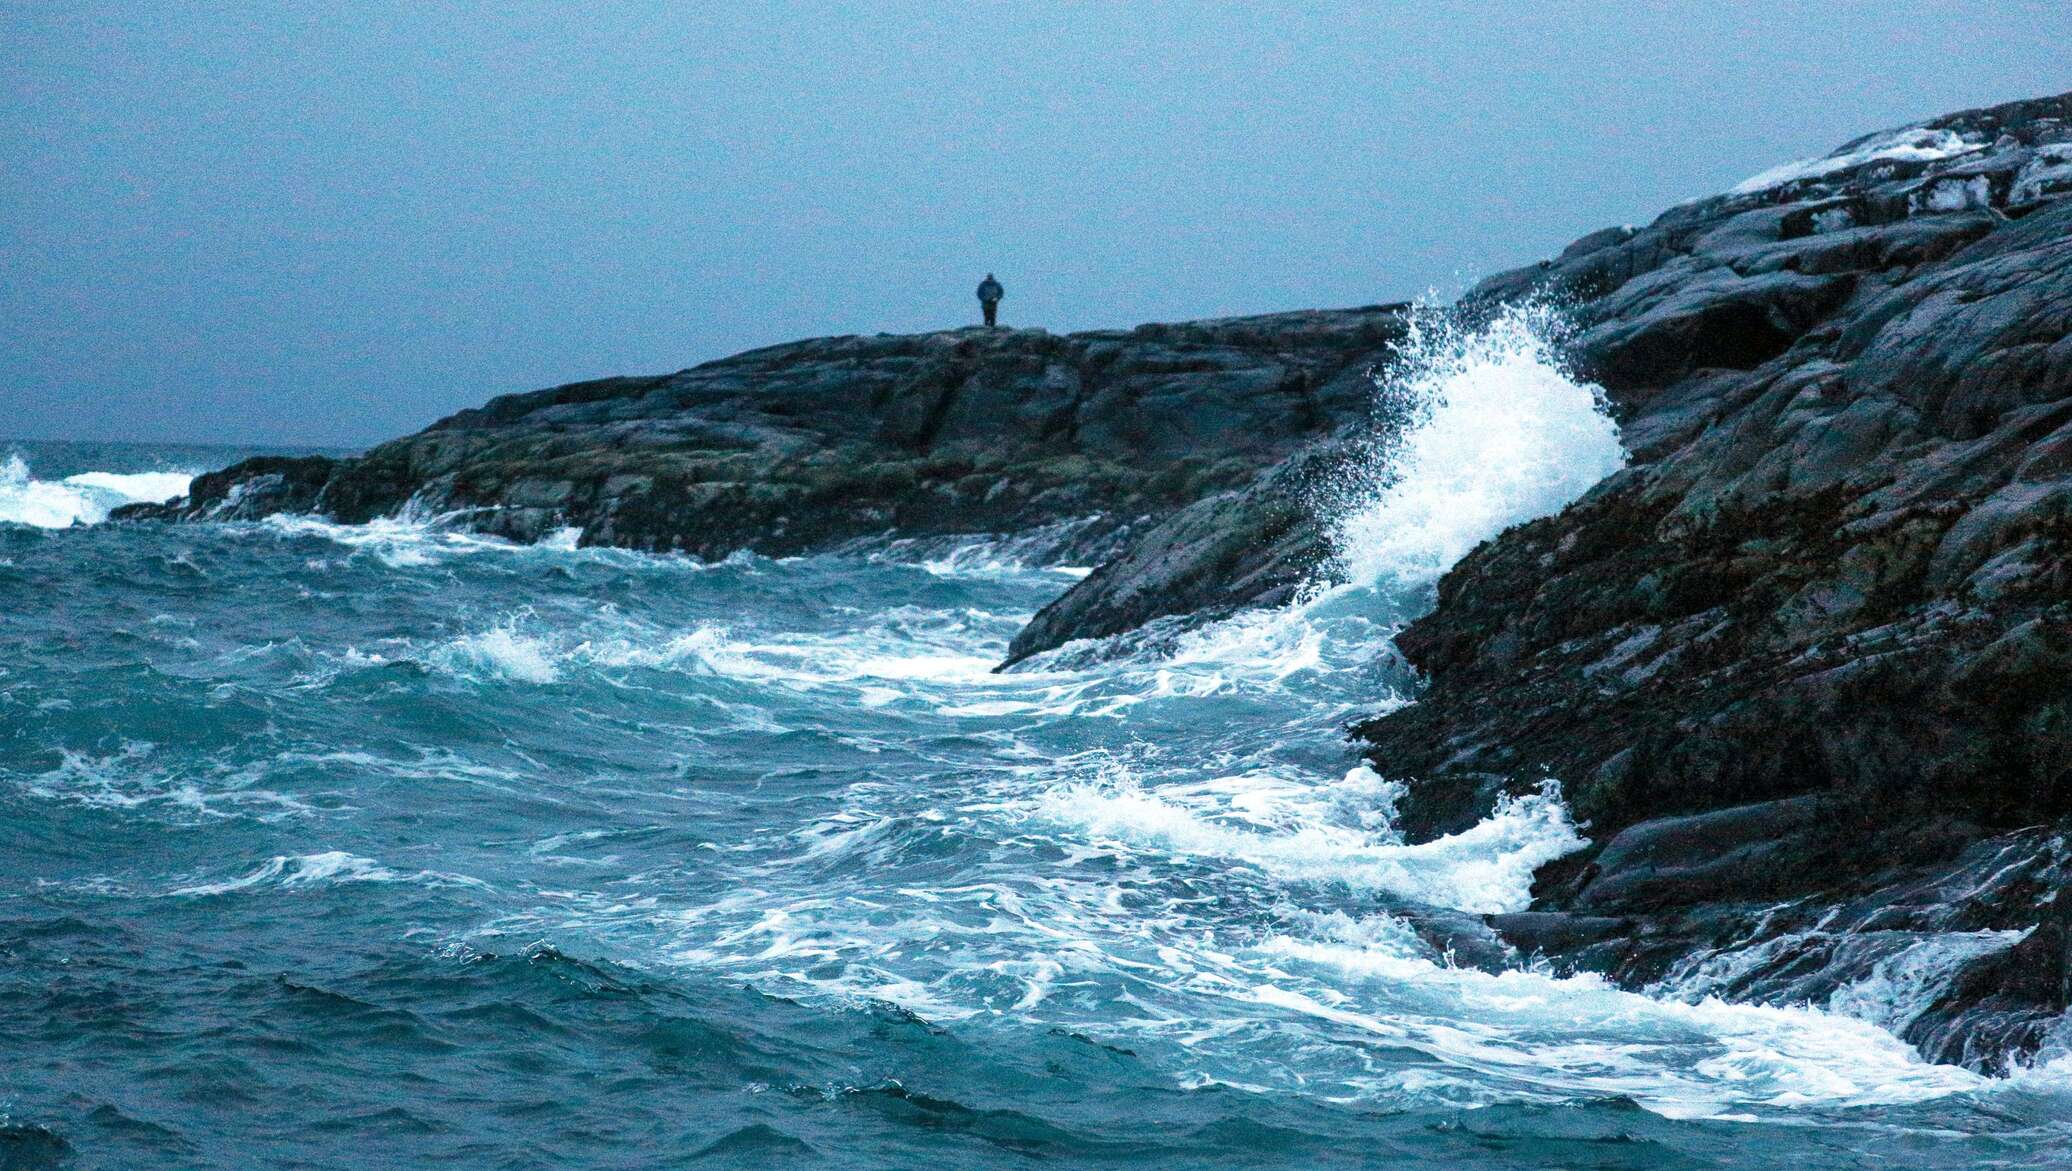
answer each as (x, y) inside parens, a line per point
(391, 845)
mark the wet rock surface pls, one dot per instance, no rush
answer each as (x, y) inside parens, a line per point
(1254, 546)
(1808, 661)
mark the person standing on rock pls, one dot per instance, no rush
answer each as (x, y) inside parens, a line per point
(989, 294)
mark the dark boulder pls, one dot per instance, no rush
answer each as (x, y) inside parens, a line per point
(257, 487)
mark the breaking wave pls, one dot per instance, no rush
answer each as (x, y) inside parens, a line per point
(82, 499)
(1342, 834)
(1499, 433)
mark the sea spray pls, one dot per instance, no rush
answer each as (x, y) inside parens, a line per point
(1484, 427)
(1478, 425)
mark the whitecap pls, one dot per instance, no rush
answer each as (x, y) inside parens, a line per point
(502, 652)
(327, 867)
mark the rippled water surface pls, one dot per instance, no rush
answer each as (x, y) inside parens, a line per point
(394, 846)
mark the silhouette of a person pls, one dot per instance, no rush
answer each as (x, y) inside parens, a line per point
(989, 294)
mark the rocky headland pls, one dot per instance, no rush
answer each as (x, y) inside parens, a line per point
(1804, 667)
(805, 447)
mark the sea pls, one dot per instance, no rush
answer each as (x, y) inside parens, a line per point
(395, 845)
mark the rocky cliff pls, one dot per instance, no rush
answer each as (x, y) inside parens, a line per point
(1805, 667)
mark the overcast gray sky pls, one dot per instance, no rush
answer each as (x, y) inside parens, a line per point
(335, 222)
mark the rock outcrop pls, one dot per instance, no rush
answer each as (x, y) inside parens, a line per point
(1249, 547)
(802, 447)
(1805, 667)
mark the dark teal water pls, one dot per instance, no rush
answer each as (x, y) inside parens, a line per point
(391, 846)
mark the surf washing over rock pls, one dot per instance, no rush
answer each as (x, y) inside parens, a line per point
(625, 767)
(82, 498)
(1489, 431)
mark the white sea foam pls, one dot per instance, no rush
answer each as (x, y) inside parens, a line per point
(1300, 833)
(328, 867)
(416, 538)
(1903, 972)
(982, 555)
(521, 648)
(293, 870)
(1214, 966)
(1902, 986)
(135, 778)
(503, 652)
(2049, 1074)
(83, 499)
(400, 542)
(1582, 1035)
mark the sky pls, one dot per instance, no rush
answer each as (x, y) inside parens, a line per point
(332, 223)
